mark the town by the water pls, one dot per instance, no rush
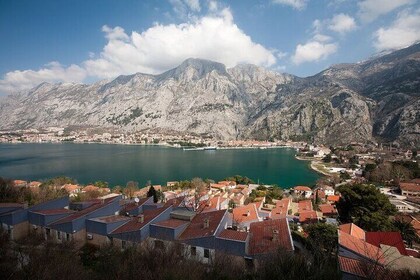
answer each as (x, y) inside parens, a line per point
(362, 217)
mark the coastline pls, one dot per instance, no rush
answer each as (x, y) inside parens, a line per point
(313, 165)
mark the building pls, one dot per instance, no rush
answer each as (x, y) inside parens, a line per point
(410, 189)
(15, 217)
(243, 216)
(303, 191)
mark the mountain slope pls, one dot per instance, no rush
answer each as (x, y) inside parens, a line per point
(375, 99)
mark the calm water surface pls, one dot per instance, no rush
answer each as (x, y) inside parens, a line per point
(118, 164)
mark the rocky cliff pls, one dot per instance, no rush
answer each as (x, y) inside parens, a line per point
(373, 100)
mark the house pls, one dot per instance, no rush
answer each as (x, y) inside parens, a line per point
(73, 227)
(14, 217)
(393, 239)
(20, 183)
(200, 235)
(355, 248)
(333, 199)
(90, 188)
(268, 236)
(134, 208)
(71, 189)
(327, 210)
(137, 229)
(281, 210)
(410, 189)
(243, 216)
(98, 229)
(355, 269)
(172, 183)
(303, 191)
(233, 242)
(353, 230)
(328, 190)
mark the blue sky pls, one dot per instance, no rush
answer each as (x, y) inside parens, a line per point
(85, 41)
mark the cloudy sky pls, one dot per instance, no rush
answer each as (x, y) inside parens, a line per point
(85, 41)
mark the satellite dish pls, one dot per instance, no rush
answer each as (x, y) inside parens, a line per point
(137, 200)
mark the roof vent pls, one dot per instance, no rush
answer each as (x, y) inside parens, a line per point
(206, 223)
(248, 213)
(141, 219)
(275, 235)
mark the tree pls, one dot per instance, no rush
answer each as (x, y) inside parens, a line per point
(365, 206)
(101, 184)
(243, 180)
(327, 158)
(407, 231)
(152, 192)
(322, 237)
(200, 188)
(131, 188)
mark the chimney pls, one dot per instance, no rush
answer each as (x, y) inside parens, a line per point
(141, 219)
(248, 213)
(206, 223)
(275, 235)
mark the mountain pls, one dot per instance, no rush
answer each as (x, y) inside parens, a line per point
(377, 99)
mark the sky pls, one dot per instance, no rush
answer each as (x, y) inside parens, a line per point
(82, 41)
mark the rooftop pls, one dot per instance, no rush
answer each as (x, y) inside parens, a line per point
(393, 239)
(353, 230)
(267, 236)
(233, 235)
(327, 209)
(302, 188)
(53, 211)
(305, 205)
(203, 225)
(245, 213)
(135, 223)
(111, 219)
(171, 223)
(360, 247)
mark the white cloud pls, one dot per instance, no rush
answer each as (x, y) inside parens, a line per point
(213, 5)
(342, 23)
(162, 47)
(369, 10)
(318, 48)
(404, 31)
(184, 8)
(53, 72)
(296, 4)
(157, 49)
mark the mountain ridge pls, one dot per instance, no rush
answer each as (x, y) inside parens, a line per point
(373, 100)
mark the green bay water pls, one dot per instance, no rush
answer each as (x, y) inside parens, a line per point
(118, 164)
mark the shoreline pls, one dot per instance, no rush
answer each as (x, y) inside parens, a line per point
(312, 165)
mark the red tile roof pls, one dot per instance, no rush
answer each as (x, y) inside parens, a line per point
(393, 239)
(171, 223)
(197, 228)
(90, 188)
(263, 239)
(134, 224)
(333, 198)
(53, 211)
(353, 230)
(211, 205)
(302, 189)
(305, 205)
(327, 209)
(233, 235)
(410, 186)
(360, 247)
(133, 205)
(246, 213)
(359, 268)
(281, 209)
(98, 203)
(111, 219)
(175, 202)
(11, 204)
(307, 216)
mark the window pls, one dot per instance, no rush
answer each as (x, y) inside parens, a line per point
(123, 244)
(206, 253)
(68, 236)
(59, 235)
(159, 244)
(48, 232)
(110, 240)
(249, 263)
(193, 251)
